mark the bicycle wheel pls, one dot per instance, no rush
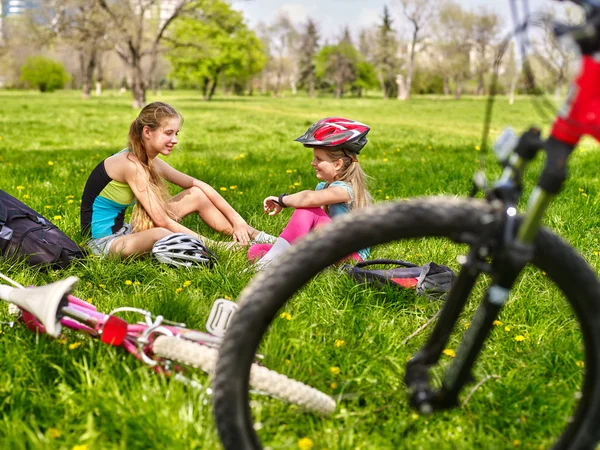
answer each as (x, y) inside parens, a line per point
(262, 379)
(457, 219)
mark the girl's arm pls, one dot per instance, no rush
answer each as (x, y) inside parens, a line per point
(240, 227)
(307, 199)
(137, 179)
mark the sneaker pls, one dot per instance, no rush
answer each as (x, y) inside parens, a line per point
(263, 238)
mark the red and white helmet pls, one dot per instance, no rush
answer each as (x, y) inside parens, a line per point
(336, 132)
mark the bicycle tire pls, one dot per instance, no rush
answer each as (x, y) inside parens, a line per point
(457, 219)
(262, 379)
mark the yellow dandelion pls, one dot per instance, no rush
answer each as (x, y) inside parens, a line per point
(387, 197)
(26, 196)
(136, 283)
(20, 188)
(285, 315)
(516, 442)
(385, 160)
(288, 171)
(333, 385)
(48, 206)
(74, 345)
(429, 147)
(53, 433)
(305, 443)
(186, 283)
(102, 286)
(340, 343)
(519, 338)
(449, 352)
(584, 194)
(296, 184)
(178, 290)
(128, 282)
(507, 328)
(57, 218)
(580, 190)
(414, 416)
(227, 297)
(69, 196)
(580, 364)
(89, 300)
(223, 188)
(242, 155)
(286, 362)
(0, 138)
(240, 193)
(50, 163)
(496, 323)
(235, 158)
(82, 170)
(79, 447)
(334, 370)
(477, 147)
(466, 325)
(69, 201)
(233, 187)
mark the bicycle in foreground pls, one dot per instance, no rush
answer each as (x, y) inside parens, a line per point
(501, 244)
(165, 346)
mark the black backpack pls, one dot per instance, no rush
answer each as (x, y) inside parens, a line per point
(431, 280)
(25, 234)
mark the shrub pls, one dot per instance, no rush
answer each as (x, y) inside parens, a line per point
(44, 73)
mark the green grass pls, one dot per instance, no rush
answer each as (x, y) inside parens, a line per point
(57, 395)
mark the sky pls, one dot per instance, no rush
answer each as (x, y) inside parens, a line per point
(333, 15)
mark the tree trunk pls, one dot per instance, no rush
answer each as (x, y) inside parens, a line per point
(213, 87)
(311, 87)
(446, 86)
(513, 88)
(88, 64)
(401, 87)
(138, 88)
(480, 84)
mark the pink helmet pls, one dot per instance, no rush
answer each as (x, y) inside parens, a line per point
(336, 132)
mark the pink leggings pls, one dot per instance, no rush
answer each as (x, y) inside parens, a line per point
(303, 220)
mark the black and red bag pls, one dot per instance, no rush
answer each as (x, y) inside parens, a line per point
(26, 234)
(431, 279)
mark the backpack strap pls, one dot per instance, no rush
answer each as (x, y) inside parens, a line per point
(3, 214)
(373, 262)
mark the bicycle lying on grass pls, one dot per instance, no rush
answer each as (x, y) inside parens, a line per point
(159, 343)
(501, 244)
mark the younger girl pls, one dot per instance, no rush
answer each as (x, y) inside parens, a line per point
(336, 143)
(136, 176)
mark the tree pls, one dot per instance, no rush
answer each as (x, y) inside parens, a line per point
(337, 65)
(81, 24)
(282, 39)
(385, 60)
(44, 73)
(309, 45)
(212, 43)
(556, 61)
(486, 28)
(418, 13)
(454, 32)
(139, 30)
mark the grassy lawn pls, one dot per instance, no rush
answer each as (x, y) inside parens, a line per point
(77, 393)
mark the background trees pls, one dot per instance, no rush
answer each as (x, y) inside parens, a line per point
(418, 46)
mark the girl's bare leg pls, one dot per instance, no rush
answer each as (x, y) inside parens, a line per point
(137, 243)
(194, 200)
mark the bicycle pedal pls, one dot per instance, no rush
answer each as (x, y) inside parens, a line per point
(220, 316)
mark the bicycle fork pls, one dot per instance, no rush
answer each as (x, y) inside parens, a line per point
(508, 261)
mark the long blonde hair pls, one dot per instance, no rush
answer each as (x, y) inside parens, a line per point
(152, 116)
(352, 174)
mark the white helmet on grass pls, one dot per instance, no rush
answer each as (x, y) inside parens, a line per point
(183, 250)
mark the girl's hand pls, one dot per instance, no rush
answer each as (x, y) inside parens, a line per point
(271, 205)
(241, 235)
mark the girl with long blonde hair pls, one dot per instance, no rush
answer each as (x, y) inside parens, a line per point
(135, 176)
(336, 143)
